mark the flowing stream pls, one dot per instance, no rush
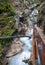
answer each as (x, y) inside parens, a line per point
(25, 54)
(27, 48)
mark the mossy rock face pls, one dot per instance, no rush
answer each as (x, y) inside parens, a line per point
(41, 16)
(42, 0)
(7, 20)
(7, 23)
(5, 6)
(41, 6)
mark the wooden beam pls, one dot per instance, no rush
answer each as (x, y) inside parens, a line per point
(12, 37)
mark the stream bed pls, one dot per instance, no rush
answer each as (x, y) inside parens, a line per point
(27, 48)
(24, 55)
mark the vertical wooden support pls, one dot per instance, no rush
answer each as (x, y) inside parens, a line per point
(34, 50)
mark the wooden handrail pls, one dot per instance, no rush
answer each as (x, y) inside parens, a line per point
(40, 32)
(40, 39)
(12, 37)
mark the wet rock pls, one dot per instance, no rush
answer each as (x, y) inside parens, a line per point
(22, 28)
(41, 15)
(30, 63)
(29, 32)
(44, 28)
(27, 61)
(4, 61)
(16, 48)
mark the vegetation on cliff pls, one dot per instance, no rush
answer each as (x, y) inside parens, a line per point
(7, 24)
(41, 16)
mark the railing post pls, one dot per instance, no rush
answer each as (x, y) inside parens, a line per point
(34, 50)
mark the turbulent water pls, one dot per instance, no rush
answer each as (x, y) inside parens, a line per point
(25, 54)
(27, 48)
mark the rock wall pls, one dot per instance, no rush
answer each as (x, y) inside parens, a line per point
(41, 16)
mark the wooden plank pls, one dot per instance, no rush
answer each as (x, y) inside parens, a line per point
(40, 32)
(41, 45)
(12, 37)
(34, 51)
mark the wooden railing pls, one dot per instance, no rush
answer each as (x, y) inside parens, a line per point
(38, 45)
(12, 37)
